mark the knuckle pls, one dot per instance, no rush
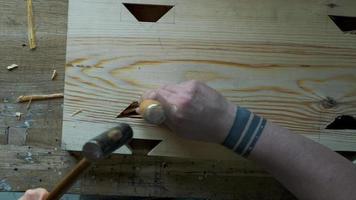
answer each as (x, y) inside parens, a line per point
(193, 87)
(178, 118)
(42, 191)
(152, 94)
(166, 86)
(185, 103)
(178, 114)
(190, 91)
(195, 83)
(30, 193)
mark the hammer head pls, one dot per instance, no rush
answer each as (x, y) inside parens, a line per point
(104, 144)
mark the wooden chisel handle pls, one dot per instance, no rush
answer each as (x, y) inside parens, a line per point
(152, 111)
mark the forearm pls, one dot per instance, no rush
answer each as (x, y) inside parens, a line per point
(309, 170)
(306, 168)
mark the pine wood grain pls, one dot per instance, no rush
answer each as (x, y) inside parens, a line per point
(281, 59)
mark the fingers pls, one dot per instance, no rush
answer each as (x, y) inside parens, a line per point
(43, 193)
(173, 98)
(151, 94)
(35, 194)
(163, 94)
(165, 97)
(174, 88)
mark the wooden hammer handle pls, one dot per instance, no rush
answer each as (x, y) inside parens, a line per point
(68, 180)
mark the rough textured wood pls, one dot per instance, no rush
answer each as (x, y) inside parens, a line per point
(128, 175)
(17, 136)
(285, 60)
(29, 167)
(41, 120)
(140, 176)
(173, 177)
(3, 135)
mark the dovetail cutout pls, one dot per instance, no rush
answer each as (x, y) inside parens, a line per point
(344, 23)
(147, 12)
(143, 146)
(343, 122)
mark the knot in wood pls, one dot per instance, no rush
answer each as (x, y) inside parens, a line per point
(328, 103)
(332, 5)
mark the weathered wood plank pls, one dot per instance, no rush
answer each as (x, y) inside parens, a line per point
(3, 135)
(139, 175)
(26, 167)
(17, 136)
(171, 177)
(282, 59)
(42, 119)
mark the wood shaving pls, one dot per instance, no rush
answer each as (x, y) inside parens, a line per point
(11, 67)
(54, 74)
(76, 112)
(18, 115)
(29, 103)
(30, 27)
(26, 98)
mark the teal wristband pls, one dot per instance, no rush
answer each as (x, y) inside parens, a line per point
(245, 132)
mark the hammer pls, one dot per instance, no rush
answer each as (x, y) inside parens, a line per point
(94, 150)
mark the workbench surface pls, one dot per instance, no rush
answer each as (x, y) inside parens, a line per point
(30, 150)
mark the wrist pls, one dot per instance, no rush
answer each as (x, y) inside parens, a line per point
(245, 131)
(226, 122)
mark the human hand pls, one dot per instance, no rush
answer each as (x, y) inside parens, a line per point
(195, 111)
(35, 194)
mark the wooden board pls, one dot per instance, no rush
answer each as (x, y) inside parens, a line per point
(282, 59)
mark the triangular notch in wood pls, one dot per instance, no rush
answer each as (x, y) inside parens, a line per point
(345, 24)
(142, 146)
(130, 111)
(147, 12)
(343, 122)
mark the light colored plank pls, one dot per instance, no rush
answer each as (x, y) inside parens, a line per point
(281, 21)
(281, 59)
(87, 131)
